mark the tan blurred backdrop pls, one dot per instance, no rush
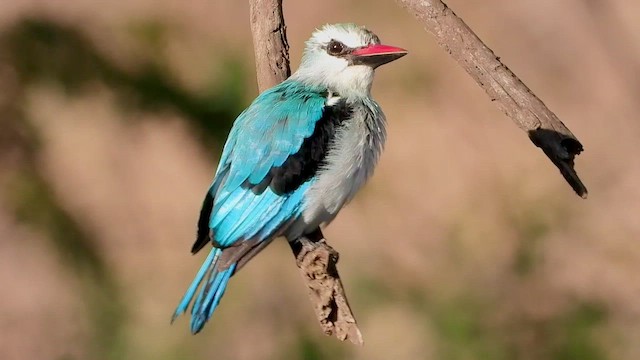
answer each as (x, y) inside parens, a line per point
(467, 244)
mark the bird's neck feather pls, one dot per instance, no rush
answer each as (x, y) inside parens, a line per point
(352, 84)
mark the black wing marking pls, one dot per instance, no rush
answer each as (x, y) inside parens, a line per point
(304, 164)
(204, 233)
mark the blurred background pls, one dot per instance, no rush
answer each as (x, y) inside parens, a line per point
(467, 243)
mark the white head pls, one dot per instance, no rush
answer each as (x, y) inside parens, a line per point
(343, 57)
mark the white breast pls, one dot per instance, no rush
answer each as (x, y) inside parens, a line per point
(349, 164)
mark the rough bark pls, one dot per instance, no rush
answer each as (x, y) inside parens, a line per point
(269, 42)
(314, 257)
(504, 88)
(317, 262)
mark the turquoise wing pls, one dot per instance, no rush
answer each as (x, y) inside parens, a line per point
(268, 162)
(267, 134)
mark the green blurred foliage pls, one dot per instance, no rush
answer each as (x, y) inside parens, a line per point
(532, 222)
(44, 51)
(308, 347)
(465, 335)
(576, 333)
(466, 327)
(34, 203)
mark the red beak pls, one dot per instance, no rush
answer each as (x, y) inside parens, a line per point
(376, 55)
(379, 49)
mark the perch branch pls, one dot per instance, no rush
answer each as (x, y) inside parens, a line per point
(504, 88)
(314, 257)
(269, 42)
(318, 260)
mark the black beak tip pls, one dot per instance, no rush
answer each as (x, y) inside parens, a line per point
(381, 59)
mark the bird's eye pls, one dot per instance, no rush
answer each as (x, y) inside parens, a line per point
(335, 47)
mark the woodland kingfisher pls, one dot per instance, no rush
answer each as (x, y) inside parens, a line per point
(292, 159)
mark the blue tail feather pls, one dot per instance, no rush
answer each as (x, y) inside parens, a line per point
(213, 298)
(186, 299)
(210, 293)
(208, 284)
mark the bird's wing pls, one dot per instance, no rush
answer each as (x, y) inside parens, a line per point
(272, 151)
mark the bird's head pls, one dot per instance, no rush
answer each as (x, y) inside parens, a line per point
(343, 57)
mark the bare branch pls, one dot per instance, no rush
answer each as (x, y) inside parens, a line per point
(315, 258)
(269, 42)
(503, 87)
(318, 260)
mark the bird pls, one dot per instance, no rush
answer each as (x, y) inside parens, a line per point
(292, 159)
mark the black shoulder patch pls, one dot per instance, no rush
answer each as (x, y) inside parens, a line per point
(303, 165)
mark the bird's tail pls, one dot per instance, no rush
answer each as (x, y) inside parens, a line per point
(215, 282)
